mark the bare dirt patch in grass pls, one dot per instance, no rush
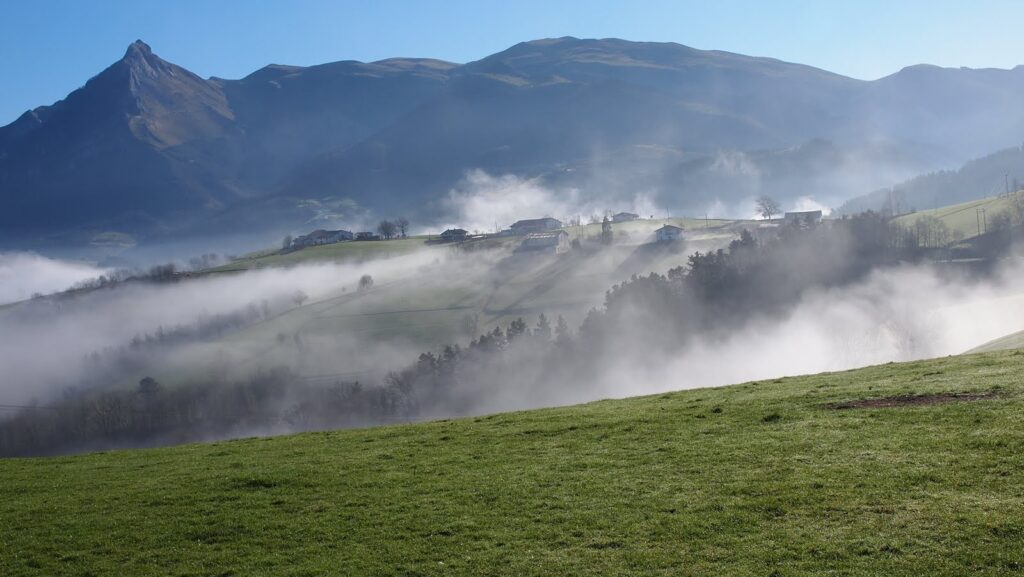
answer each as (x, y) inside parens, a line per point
(911, 400)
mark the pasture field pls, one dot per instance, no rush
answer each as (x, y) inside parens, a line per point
(963, 219)
(898, 469)
(342, 251)
(633, 232)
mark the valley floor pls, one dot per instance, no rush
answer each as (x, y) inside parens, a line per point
(796, 476)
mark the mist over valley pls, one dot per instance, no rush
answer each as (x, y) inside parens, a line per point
(469, 289)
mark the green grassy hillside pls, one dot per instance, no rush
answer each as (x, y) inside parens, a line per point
(342, 251)
(450, 295)
(632, 232)
(854, 473)
(1009, 342)
(962, 219)
(448, 302)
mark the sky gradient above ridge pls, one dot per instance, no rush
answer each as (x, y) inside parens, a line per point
(51, 47)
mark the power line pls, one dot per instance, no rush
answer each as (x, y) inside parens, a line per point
(333, 375)
(18, 407)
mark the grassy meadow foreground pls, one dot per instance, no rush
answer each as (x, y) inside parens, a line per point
(897, 469)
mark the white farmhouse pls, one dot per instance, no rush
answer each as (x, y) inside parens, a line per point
(668, 233)
(625, 217)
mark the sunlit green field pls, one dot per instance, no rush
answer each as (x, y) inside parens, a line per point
(766, 478)
(963, 219)
(342, 251)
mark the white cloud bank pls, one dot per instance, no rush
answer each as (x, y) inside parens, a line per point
(485, 203)
(23, 274)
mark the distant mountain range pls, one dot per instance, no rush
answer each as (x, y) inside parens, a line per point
(148, 150)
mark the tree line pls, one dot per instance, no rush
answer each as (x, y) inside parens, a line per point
(268, 402)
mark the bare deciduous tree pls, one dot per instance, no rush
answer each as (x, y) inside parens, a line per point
(767, 207)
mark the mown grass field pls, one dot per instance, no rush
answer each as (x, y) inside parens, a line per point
(764, 478)
(963, 219)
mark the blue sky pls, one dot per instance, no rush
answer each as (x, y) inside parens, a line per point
(50, 47)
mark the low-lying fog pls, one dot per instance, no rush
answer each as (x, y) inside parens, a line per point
(897, 314)
(49, 344)
(45, 344)
(24, 274)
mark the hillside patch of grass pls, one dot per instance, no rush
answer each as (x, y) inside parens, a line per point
(1009, 342)
(337, 252)
(762, 478)
(963, 219)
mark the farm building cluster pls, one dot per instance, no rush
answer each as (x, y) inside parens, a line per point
(539, 234)
(545, 234)
(548, 234)
(321, 237)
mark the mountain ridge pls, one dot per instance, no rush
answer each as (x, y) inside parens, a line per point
(150, 149)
